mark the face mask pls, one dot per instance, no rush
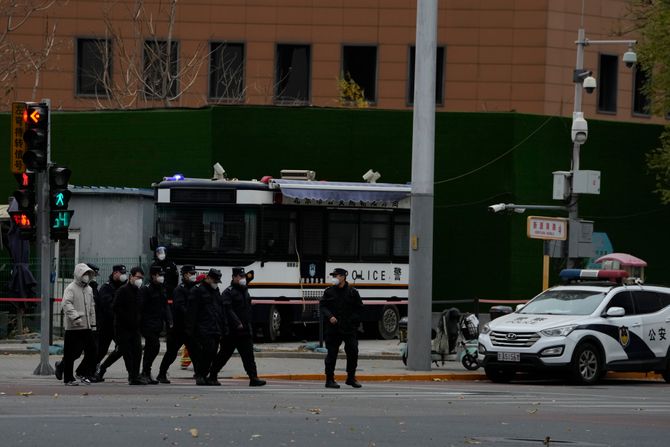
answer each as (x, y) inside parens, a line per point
(85, 279)
(160, 256)
(191, 278)
(243, 282)
(160, 279)
(123, 277)
(137, 282)
(214, 285)
(334, 280)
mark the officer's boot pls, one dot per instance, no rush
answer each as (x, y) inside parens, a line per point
(255, 381)
(162, 377)
(330, 382)
(200, 380)
(351, 381)
(212, 380)
(146, 374)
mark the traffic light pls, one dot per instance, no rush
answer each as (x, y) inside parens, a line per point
(36, 135)
(24, 196)
(59, 198)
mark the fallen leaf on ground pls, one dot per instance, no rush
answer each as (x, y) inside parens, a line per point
(315, 410)
(532, 411)
(256, 436)
(26, 393)
(471, 441)
(193, 432)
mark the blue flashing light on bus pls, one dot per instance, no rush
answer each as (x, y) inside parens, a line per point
(174, 178)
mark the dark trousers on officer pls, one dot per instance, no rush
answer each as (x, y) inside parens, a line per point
(130, 345)
(175, 339)
(105, 337)
(152, 346)
(245, 347)
(205, 348)
(333, 342)
(76, 342)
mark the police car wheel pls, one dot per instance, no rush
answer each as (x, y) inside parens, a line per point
(586, 364)
(497, 375)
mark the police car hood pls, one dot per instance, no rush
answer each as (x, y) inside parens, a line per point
(516, 322)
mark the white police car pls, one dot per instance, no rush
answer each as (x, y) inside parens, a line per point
(586, 329)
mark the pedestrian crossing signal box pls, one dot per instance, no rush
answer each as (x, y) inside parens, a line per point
(25, 222)
(59, 224)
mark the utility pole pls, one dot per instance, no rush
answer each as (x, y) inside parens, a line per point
(421, 221)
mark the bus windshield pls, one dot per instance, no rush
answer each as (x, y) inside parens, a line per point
(230, 230)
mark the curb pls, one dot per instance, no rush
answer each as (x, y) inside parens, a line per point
(378, 377)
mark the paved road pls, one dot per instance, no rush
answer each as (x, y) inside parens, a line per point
(288, 413)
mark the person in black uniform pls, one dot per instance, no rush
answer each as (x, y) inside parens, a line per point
(126, 309)
(155, 314)
(169, 268)
(341, 308)
(206, 323)
(241, 333)
(105, 317)
(176, 337)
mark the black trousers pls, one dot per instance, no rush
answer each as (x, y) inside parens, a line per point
(152, 346)
(245, 347)
(205, 348)
(105, 337)
(333, 342)
(130, 345)
(175, 339)
(76, 342)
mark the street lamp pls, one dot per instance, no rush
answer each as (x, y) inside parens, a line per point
(579, 132)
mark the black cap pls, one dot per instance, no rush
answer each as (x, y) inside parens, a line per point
(119, 268)
(156, 270)
(187, 268)
(93, 267)
(238, 271)
(339, 271)
(215, 274)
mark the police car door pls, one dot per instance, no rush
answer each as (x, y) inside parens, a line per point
(655, 320)
(626, 331)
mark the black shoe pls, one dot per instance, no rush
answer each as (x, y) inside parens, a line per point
(332, 384)
(100, 373)
(255, 381)
(150, 380)
(213, 381)
(72, 383)
(137, 381)
(162, 378)
(58, 370)
(353, 382)
(200, 380)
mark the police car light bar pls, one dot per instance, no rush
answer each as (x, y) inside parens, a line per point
(593, 275)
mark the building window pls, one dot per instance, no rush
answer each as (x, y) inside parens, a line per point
(439, 76)
(359, 64)
(641, 100)
(607, 83)
(94, 66)
(161, 69)
(226, 71)
(292, 74)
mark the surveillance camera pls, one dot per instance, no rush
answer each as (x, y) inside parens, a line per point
(498, 207)
(580, 128)
(629, 58)
(371, 176)
(589, 84)
(219, 172)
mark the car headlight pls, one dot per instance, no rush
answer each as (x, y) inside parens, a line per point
(486, 329)
(562, 331)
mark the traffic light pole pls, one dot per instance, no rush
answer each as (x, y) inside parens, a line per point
(42, 188)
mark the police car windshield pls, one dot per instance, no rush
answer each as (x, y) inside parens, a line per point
(564, 302)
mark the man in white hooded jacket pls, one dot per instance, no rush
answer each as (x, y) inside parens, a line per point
(79, 310)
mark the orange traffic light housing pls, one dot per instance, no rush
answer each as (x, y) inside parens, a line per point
(36, 136)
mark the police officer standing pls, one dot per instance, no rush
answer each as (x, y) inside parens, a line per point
(177, 336)
(341, 308)
(169, 268)
(155, 313)
(206, 323)
(126, 309)
(105, 317)
(240, 336)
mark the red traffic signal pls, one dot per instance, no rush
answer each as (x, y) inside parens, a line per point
(25, 222)
(25, 194)
(36, 136)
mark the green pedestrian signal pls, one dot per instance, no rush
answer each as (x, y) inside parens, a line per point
(60, 224)
(59, 198)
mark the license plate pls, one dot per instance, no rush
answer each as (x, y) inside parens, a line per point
(509, 357)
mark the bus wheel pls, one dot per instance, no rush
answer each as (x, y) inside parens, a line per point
(388, 324)
(273, 328)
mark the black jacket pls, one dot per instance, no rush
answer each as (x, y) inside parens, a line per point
(346, 305)
(126, 309)
(104, 313)
(206, 315)
(180, 304)
(154, 310)
(237, 297)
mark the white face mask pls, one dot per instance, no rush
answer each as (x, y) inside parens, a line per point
(85, 279)
(160, 279)
(191, 278)
(137, 282)
(123, 277)
(334, 280)
(243, 282)
(214, 285)
(160, 256)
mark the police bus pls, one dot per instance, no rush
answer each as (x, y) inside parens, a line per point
(292, 232)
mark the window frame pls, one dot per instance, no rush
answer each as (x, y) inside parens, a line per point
(225, 99)
(281, 100)
(439, 99)
(110, 52)
(344, 46)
